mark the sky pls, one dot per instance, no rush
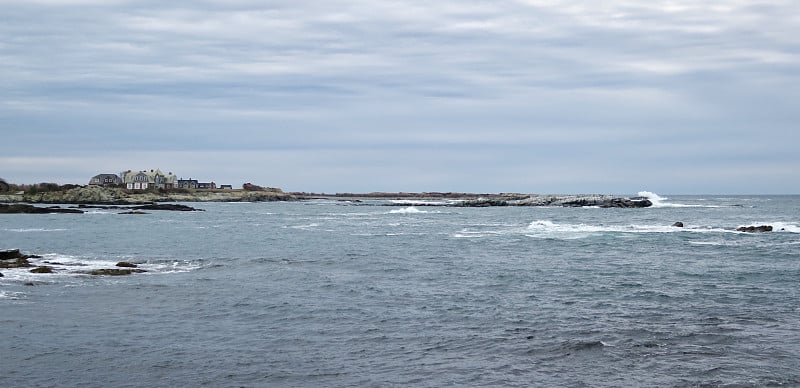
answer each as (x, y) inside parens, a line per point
(550, 96)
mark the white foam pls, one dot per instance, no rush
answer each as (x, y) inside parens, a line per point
(305, 227)
(444, 202)
(785, 227)
(407, 210)
(65, 266)
(10, 295)
(659, 201)
(549, 229)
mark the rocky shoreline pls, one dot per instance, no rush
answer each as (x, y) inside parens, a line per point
(95, 195)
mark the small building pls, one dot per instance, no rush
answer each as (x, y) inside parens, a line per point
(226, 187)
(207, 185)
(106, 180)
(143, 180)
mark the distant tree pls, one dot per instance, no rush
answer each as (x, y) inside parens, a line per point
(251, 187)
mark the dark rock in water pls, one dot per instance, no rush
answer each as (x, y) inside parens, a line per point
(10, 254)
(483, 203)
(126, 264)
(609, 203)
(167, 206)
(1, 274)
(42, 269)
(114, 271)
(678, 224)
(18, 263)
(30, 209)
(755, 229)
(20, 260)
(134, 212)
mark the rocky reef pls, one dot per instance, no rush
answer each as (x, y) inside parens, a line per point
(30, 209)
(14, 259)
(603, 201)
(487, 200)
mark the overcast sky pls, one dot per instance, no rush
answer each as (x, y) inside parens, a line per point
(334, 96)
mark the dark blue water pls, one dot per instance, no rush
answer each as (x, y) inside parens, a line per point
(328, 293)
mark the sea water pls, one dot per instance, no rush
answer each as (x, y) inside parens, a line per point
(375, 293)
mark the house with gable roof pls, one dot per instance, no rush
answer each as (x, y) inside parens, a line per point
(143, 179)
(105, 180)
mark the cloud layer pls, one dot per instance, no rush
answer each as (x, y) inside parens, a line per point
(530, 96)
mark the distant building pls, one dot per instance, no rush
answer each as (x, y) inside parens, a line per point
(187, 183)
(106, 180)
(143, 180)
(226, 187)
(207, 185)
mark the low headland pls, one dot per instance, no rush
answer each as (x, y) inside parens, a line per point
(109, 196)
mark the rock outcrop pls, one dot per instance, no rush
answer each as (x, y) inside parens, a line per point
(481, 202)
(13, 258)
(30, 209)
(678, 224)
(755, 229)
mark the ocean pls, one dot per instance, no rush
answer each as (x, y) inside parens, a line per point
(330, 293)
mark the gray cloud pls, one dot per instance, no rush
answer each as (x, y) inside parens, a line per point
(412, 95)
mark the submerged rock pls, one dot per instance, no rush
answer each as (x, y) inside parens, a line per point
(755, 229)
(42, 269)
(678, 224)
(126, 264)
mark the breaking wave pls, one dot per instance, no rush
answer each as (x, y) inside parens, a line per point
(407, 210)
(34, 230)
(779, 226)
(66, 266)
(662, 202)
